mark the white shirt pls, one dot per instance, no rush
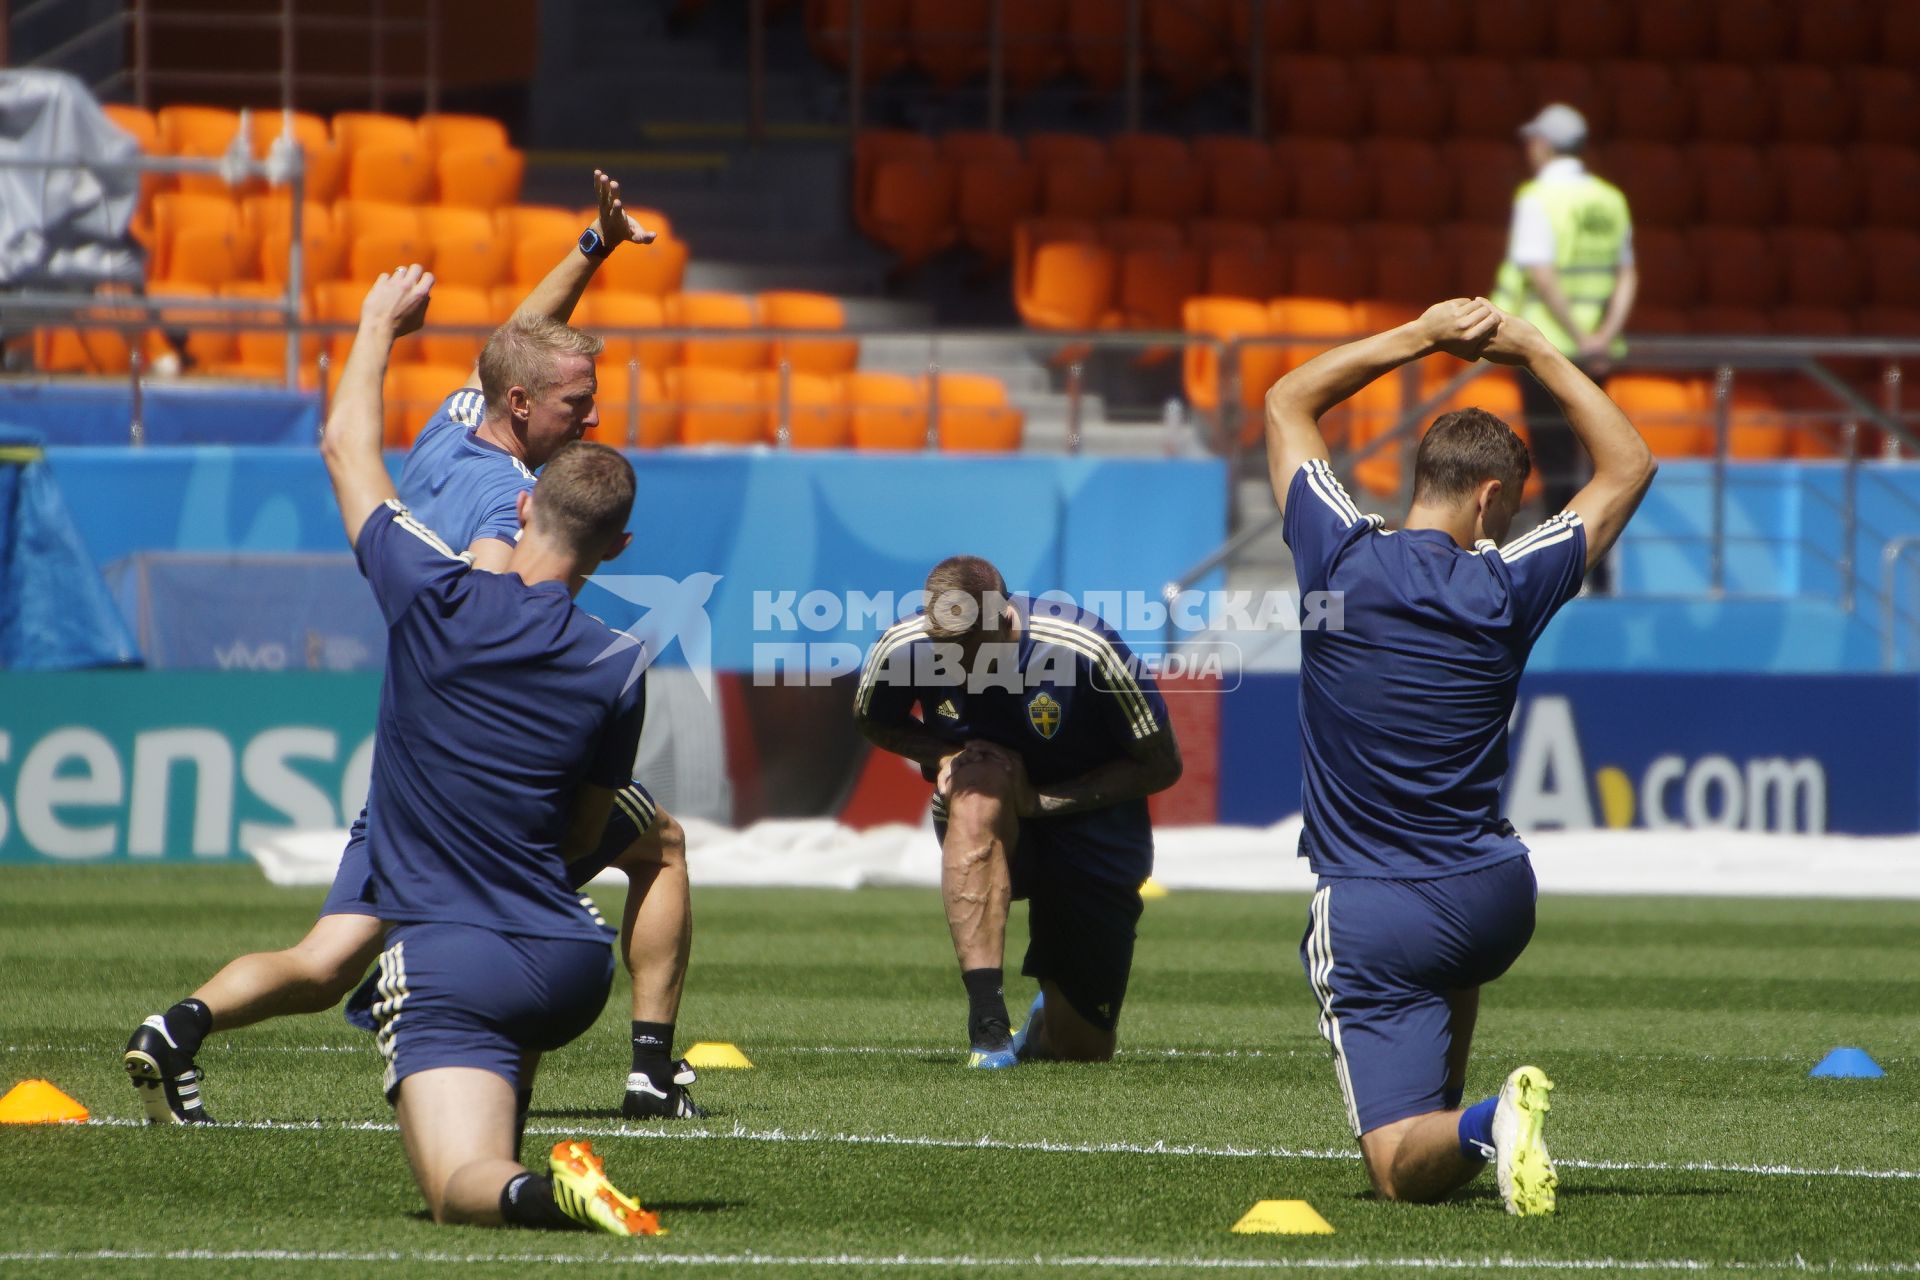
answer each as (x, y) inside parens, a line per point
(1530, 241)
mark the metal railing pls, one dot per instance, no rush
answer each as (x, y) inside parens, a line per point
(136, 24)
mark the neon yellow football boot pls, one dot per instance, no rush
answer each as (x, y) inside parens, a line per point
(1521, 1163)
(581, 1189)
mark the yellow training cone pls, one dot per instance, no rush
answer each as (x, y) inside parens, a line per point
(37, 1102)
(1284, 1217)
(1151, 889)
(716, 1054)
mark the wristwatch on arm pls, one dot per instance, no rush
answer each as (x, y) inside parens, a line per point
(593, 246)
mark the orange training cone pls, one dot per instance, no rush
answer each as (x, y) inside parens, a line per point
(37, 1102)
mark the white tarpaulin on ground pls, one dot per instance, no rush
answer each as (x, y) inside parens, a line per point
(818, 853)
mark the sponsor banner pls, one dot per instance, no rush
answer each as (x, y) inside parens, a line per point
(179, 766)
(1809, 754)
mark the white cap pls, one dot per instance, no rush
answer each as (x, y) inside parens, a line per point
(1558, 125)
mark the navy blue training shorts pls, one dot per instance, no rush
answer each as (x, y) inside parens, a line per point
(1381, 956)
(456, 995)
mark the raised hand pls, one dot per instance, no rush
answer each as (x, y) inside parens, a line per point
(397, 302)
(1515, 341)
(616, 225)
(1460, 326)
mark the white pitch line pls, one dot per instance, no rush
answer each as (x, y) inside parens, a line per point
(986, 1142)
(901, 1261)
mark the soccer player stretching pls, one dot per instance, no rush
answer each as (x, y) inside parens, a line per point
(491, 957)
(1043, 744)
(1425, 892)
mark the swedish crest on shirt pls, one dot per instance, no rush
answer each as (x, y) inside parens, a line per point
(947, 709)
(1043, 713)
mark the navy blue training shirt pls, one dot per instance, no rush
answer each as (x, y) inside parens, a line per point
(459, 485)
(1404, 710)
(1075, 703)
(496, 707)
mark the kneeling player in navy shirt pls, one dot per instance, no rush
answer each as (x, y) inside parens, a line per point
(1044, 743)
(1425, 892)
(491, 957)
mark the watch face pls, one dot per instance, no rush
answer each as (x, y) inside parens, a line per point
(589, 242)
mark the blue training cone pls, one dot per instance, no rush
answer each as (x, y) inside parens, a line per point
(1847, 1063)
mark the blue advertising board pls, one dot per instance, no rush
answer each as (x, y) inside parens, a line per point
(1837, 753)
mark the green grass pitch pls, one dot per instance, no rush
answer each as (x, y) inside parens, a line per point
(1680, 1033)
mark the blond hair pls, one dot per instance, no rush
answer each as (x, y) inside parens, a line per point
(523, 352)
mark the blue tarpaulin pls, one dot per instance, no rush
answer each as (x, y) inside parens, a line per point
(55, 612)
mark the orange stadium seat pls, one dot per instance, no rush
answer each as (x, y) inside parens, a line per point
(718, 311)
(473, 261)
(992, 197)
(1654, 318)
(795, 310)
(202, 132)
(1811, 322)
(975, 415)
(1484, 174)
(1064, 284)
(633, 411)
(1238, 260)
(326, 166)
(1738, 321)
(323, 253)
(1656, 179)
(1122, 234)
(1409, 182)
(1185, 42)
(1735, 267)
(1241, 177)
(273, 211)
(479, 178)
(947, 40)
(1485, 98)
(187, 327)
(337, 303)
(1415, 274)
(1283, 25)
(1080, 188)
(1347, 27)
(1668, 412)
(1674, 30)
(1329, 183)
(1317, 96)
(1511, 28)
(871, 149)
(1403, 99)
(1160, 177)
(137, 121)
(1669, 272)
(1900, 35)
(505, 299)
(443, 132)
(1726, 103)
(531, 260)
(454, 306)
(1756, 420)
(1752, 31)
(207, 256)
(1154, 283)
(1031, 233)
(1032, 34)
(883, 34)
(261, 353)
(719, 405)
(1428, 27)
(1808, 104)
(1048, 146)
(913, 209)
(1322, 260)
(415, 393)
(443, 222)
(1835, 31)
(1203, 373)
(1599, 29)
(398, 175)
(659, 268)
(1095, 35)
(175, 211)
(1476, 251)
(817, 413)
(601, 312)
(549, 224)
(1889, 183)
(889, 411)
(1893, 322)
(963, 146)
(1321, 322)
(1817, 187)
(1892, 261)
(1736, 187)
(1886, 104)
(356, 218)
(1644, 101)
(354, 130)
(370, 256)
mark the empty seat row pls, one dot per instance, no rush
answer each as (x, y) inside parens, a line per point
(1425, 97)
(1190, 43)
(704, 406)
(199, 239)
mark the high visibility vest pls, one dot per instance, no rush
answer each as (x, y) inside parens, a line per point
(1590, 224)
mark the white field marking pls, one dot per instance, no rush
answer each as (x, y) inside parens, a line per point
(903, 1261)
(740, 1133)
